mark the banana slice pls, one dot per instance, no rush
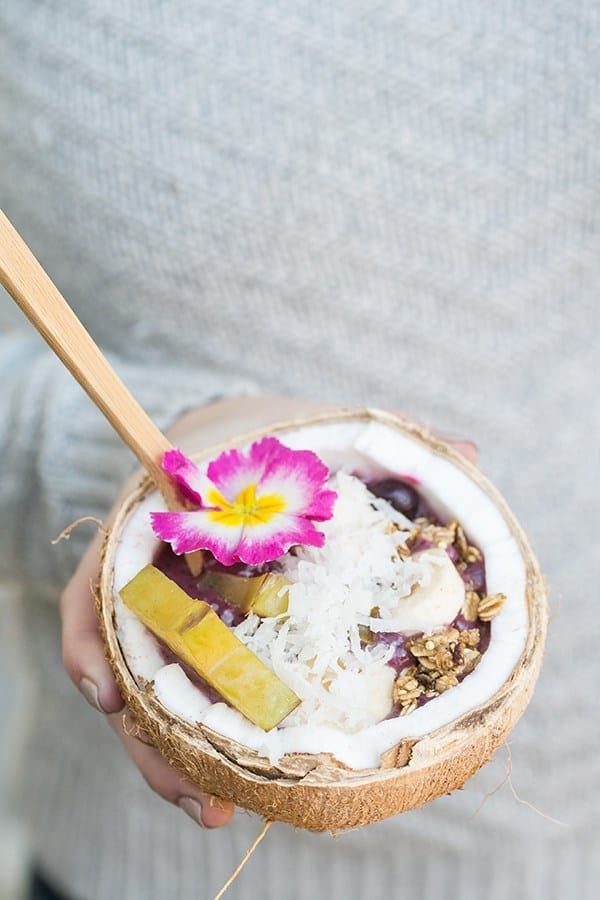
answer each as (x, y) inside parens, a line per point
(435, 603)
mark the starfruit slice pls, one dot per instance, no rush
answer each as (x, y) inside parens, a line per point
(271, 598)
(265, 595)
(195, 633)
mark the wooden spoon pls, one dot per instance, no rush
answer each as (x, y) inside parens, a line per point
(43, 304)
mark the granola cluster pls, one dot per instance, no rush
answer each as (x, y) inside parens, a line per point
(444, 536)
(483, 607)
(441, 659)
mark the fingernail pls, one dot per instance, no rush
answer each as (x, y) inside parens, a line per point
(216, 812)
(90, 692)
(467, 448)
(192, 808)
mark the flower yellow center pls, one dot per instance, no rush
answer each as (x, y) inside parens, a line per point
(247, 509)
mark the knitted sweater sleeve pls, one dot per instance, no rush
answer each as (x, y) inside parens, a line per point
(60, 459)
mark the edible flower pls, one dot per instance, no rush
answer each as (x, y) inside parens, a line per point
(249, 507)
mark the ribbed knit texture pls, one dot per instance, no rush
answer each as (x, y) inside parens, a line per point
(367, 202)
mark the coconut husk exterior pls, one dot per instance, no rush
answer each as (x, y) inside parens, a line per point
(315, 791)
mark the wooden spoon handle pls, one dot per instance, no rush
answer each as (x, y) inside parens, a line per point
(40, 300)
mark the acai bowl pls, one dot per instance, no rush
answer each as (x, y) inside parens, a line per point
(398, 653)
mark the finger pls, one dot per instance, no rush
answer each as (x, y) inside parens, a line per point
(466, 448)
(166, 781)
(83, 648)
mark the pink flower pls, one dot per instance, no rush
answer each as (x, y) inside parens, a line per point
(251, 507)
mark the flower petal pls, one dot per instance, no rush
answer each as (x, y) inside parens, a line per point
(233, 471)
(190, 480)
(197, 530)
(270, 540)
(299, 476)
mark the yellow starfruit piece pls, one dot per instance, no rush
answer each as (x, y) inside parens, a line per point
(195, 633)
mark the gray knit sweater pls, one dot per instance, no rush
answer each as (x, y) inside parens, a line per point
(368, 202)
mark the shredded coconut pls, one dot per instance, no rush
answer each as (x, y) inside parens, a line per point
(357, 578)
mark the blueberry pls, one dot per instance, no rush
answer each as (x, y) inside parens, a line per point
(400, 494)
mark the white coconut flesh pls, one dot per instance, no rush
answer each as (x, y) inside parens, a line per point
(345, 688)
